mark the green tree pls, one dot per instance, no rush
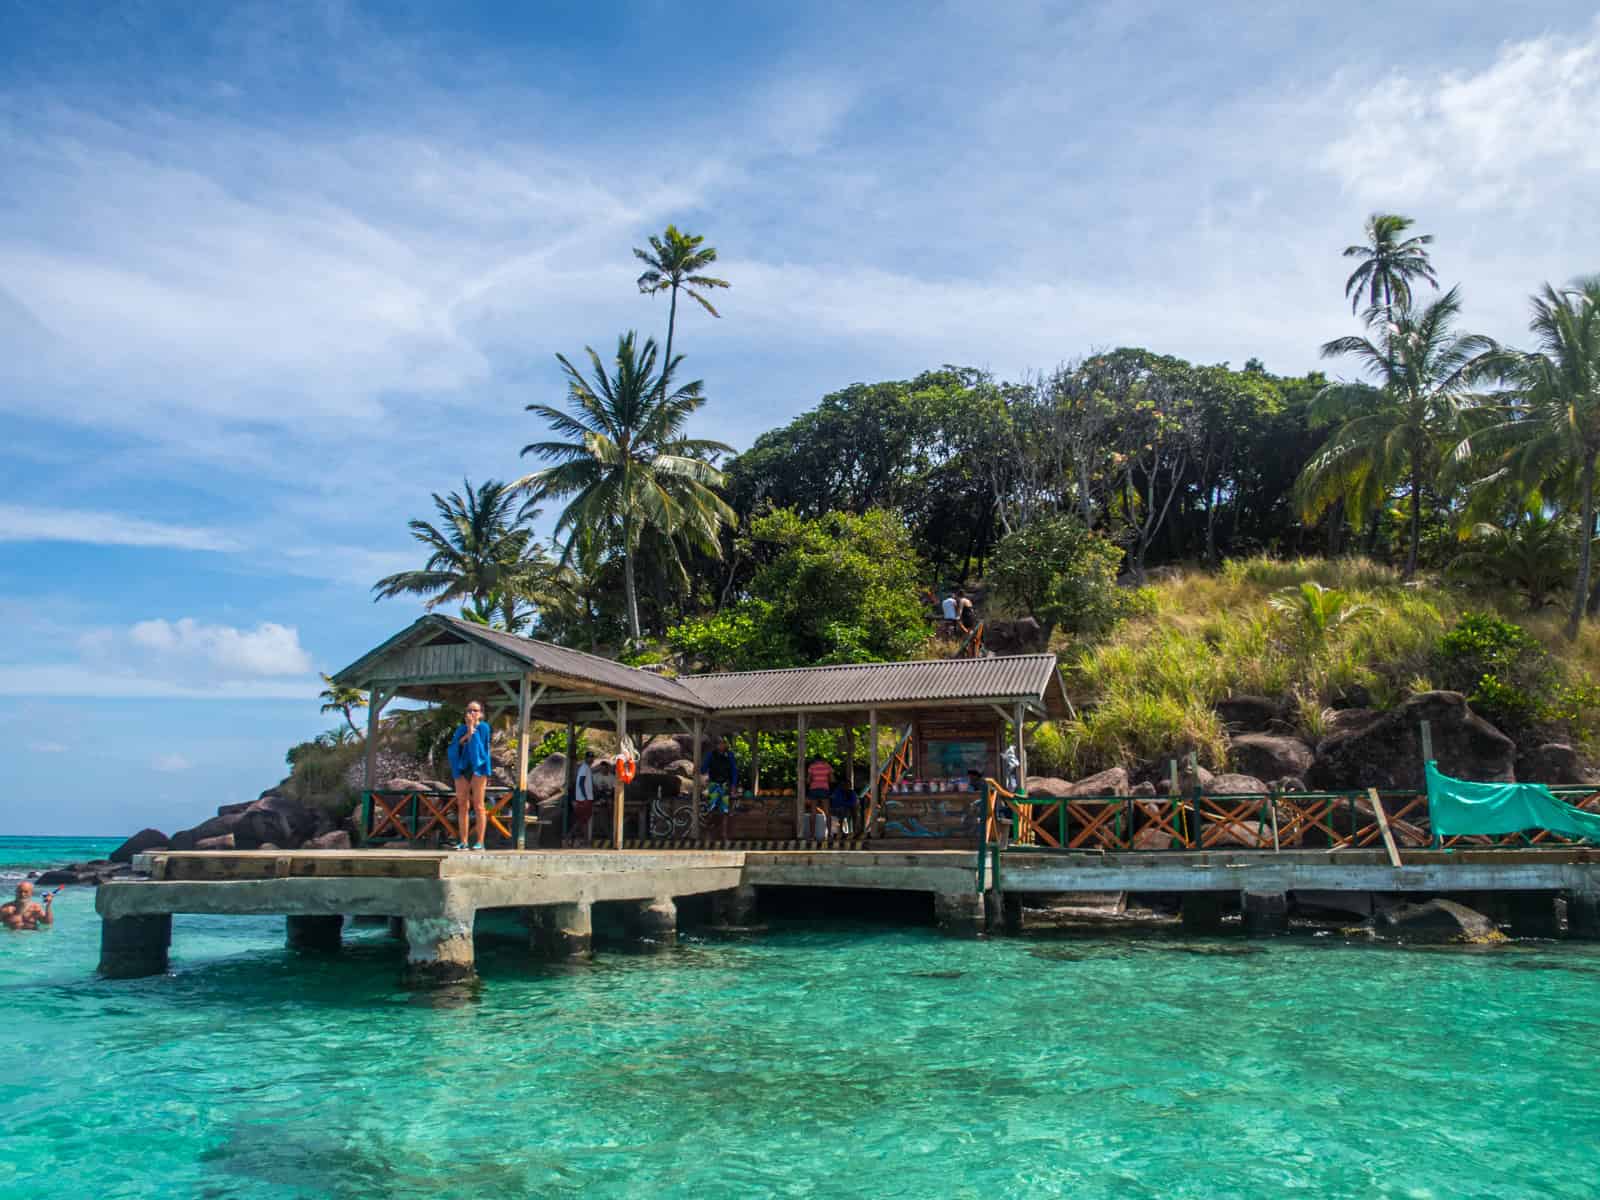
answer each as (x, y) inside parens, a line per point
(837, 588)
(480, 552)
(1551, 432)
(1318, 611)
(344, 700)
(673, 263)
(627, 464)
(1533, 555)
(1060, 573)
(1402, 430)
(1389, 262)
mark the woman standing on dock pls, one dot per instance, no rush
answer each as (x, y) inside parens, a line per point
(470, 766)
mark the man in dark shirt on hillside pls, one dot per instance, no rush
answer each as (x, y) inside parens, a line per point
(722, 777)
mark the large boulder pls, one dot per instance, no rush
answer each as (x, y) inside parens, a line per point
(1554, 763)
(1021, 636)
(225, 842)
(683, 768)
(1268, 756)
(280, 820)
(139, 843)
(1248, 714)
(1437, 921)
(1233, 784)
(1386, 753)
(225, 810)
(661, 754)
(1347, 720)
(548, 780)
(185, 839)
(336, 839)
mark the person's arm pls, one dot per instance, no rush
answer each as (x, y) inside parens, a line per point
(45, 911)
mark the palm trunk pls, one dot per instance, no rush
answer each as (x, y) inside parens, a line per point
(1581, 592)
(632, 594)
(1416, 517)
(672, 320)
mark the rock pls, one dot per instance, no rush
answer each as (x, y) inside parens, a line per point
(338, 839)
(145, 839)
(1235, 785)
(1187, 780)
(1387, 753)
(1248, 714)
(683, 768)
(268, 846)
(1554, 763)
(1291, 783)
(186, 839)
(1143, 788)
(1355, 695)
(659, 755)
(83, 873)
(548, 780)
(1021, 636)
(225, 810)
(225, 842)
(1045, 787)
(648, 784)
(1437, 921)
(300, 819)
(401, 784)
(1267, 756)
(1346, 720)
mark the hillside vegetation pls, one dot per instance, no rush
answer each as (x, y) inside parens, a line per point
(1146, 691)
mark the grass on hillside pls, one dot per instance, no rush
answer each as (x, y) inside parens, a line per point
(1148, 689)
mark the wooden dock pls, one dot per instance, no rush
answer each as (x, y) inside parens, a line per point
(438, 894)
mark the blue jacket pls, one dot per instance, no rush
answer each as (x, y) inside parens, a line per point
(473, 758)
(733, 779)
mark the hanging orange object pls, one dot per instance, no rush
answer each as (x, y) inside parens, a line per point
(627, 768)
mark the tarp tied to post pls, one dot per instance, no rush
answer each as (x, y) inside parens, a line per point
(1458, 807)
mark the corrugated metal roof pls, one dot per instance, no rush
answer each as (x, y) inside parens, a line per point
(863, 684)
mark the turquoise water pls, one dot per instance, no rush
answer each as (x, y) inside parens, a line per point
(816, 1061)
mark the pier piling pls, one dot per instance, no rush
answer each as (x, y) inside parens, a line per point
(131, 947)
(654, 920)
(1202, 912)
(1583, 914)
(736, 906)
(959, 913)
(1266, 914)
(564, 930)
(439, 949)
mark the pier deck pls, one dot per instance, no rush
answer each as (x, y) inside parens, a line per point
(437, 894)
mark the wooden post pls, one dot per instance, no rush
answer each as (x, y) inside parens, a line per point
(694, 787)
(850, 762)
(1427, 743)
(755, 761)
(569, 782)
(800, 776)
(375, 702)
(868, 805)
(1272, 809)
(1383, 827)
(520, 809)
(621, 791)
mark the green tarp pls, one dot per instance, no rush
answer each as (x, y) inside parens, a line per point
(1456, 807)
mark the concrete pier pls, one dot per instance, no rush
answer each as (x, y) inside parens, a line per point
(1266, 914)
(439, 949)
(654, 920)
(1583, 914)
(564, 930)
(1202, 912)
(736, 906)
(960, 913)
(134, 946)
(1536, 914)
(314, 933)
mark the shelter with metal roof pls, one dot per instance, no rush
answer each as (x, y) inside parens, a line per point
(947, 708)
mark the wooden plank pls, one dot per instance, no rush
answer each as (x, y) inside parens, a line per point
(618, 797)
(1383, 827)
(800, 830)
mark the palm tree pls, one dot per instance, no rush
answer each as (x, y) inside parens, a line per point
(342, 700)
(672, 262)
(1319, 611)
(1533, 555)
(1552, 431)
(628, 466)
(1389, 263)
(1402, 430)
(479, 552)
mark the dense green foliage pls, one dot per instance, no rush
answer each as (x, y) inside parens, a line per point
(1062, 574)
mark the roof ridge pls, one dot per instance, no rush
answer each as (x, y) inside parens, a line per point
(907, 662)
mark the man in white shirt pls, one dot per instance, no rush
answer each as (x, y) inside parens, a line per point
(949, 608)
(583, 802)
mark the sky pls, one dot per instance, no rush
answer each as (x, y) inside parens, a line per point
(272, 274)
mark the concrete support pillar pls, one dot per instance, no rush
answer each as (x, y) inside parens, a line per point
(1535, 914)
(1011, 913)
(1202, 912)
(439, 949)
(654, 920)
(314, 933)
(564, 930)
(131, 947)
(736, 907)
(397, 927)
(960, 914)
(1583, 915)
(1266, 914)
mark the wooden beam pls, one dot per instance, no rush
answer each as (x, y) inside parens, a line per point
(569, 781)
(1383, 828)
(800, 829)
(867, 806)
(375, 702)
(755, 761)
(694, 789)
(526, 697)
(1022, 749)
(619, 796)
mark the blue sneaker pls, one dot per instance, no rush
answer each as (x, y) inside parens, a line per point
(477, 845)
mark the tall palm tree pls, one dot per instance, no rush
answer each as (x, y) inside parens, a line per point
(342, 700)
(673, 262)
(1551, 434)
(1533, 553)
(1390, 262)
(480, 551)
(627, 464)
(1402, 431)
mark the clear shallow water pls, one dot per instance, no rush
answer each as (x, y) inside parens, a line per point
(816, 1061)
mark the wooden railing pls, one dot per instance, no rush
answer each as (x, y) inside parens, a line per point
(971, 645)
(1283, 820)
(423, 816)
(891, 773)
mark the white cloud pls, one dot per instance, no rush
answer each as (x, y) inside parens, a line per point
(19, 523)
(1501, 136)
(81, 680)
(170, 762)
(268, 649)
(48, 748)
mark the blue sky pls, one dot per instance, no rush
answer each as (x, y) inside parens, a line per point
(270, 274)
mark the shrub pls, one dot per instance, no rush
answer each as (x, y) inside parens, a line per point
(1062, 574)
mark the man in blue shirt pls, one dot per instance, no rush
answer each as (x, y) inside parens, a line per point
(722, 777)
